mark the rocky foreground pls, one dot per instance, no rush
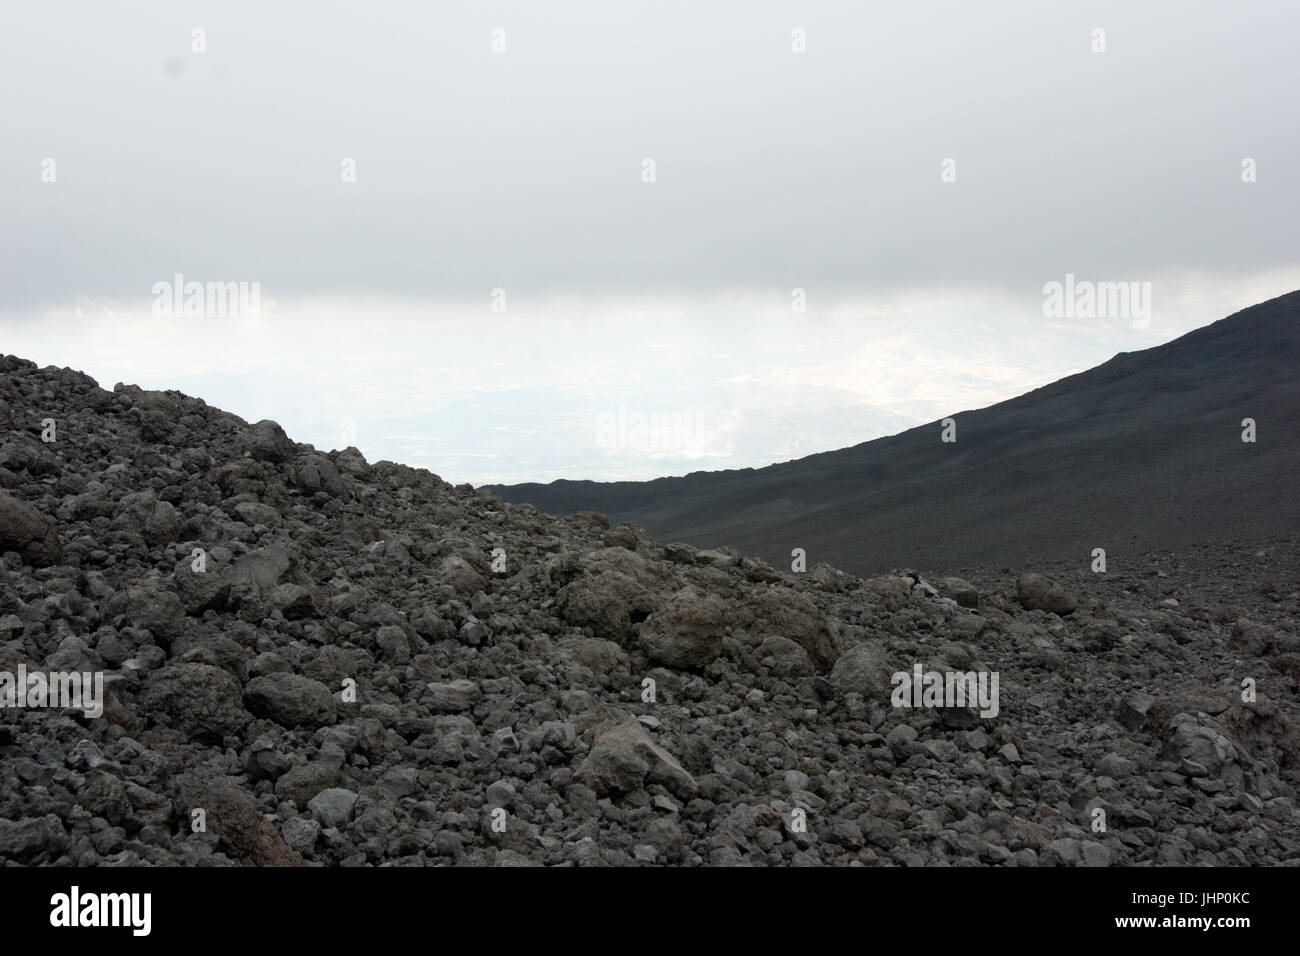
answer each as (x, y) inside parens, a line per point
(309, 659)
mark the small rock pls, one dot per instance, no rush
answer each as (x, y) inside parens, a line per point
(1134, 710)
(501, 794)
(453, 698)
(333, 807)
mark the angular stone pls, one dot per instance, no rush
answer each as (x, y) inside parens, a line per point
(864, 670)
(333, 807)
(291, 700)
(1134, 710)
(453, 698)
(623, 757)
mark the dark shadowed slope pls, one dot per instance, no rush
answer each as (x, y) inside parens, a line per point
(1142, 452)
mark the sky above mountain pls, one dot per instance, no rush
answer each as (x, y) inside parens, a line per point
(510, 242)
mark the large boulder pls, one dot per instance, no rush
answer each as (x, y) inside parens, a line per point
(262, 570)
(1203, 748)
(959, 590)
(314, 473)
(333, 806)
(242, 832)
(32, 839)
(784, 657)
(200, 591)
(140, 513)
(1036, 592)
(259, 574)
(25, 530)
(266, 441)
(151, 606)
(201, 700)
(864, 670)
(1251, 638)
(687, 632)
(615, 589)
(783, 611)
(304, 781)
(601, 656)
(623, 758)
(463, 577)
(291, 700)
(888, 585)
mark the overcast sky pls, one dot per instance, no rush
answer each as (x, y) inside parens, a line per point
(128, 157)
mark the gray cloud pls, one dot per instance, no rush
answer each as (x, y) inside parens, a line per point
(522, 170)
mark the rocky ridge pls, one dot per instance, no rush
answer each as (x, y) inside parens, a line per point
(311, 659)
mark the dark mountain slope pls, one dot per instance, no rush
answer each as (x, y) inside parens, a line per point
(1142, 452)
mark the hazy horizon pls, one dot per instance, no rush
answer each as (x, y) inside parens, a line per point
(461, 260)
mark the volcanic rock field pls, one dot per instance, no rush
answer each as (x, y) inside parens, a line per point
(309, 659)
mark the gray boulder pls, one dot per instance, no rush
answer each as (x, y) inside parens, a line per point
(1036, 592)
(333, 807)
(266, 441)
(291, 700)
(623, 758)
(687, 632)
(200, 699)
(864, 670)
(27, 531)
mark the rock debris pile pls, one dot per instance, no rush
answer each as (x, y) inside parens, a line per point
(310, 659)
